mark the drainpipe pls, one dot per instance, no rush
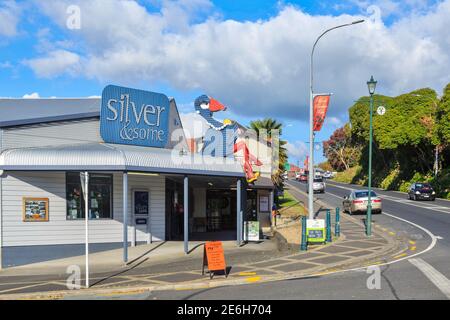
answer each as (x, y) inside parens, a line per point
(1, 222)
(239, 213)
(125, 217)
(186, 214)
(1, 206)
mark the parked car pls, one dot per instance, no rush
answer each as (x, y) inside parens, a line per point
(318, 186)
(421, 191)
(358, 200)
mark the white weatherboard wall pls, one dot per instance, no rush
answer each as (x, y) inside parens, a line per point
(59, 230)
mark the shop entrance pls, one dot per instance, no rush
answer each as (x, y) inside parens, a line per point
(220, 210)
(174, 211)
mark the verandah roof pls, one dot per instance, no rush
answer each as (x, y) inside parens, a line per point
(114, 157)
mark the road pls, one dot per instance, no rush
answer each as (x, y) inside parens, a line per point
(423, 274)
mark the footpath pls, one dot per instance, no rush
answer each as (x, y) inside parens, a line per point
(162, 266)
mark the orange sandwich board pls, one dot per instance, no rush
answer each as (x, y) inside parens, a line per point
(214, 258)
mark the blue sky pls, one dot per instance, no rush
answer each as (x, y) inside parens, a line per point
(252, 55)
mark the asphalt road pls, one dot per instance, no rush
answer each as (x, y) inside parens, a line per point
(423, 274)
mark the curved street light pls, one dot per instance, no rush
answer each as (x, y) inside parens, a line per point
(311, 117)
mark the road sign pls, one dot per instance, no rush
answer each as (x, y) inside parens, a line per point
(214, 258)
(381, 110)
(315, 230)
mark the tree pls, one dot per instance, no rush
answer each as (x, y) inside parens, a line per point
(444, 112)
(340, 150)
(270, 125)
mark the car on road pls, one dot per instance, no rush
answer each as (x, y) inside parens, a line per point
(357, 201)
(303, 178)
(421, 191)
(327, 175)
(318, 185)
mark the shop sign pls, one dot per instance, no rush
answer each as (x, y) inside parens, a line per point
(134, 117)
(315, 230)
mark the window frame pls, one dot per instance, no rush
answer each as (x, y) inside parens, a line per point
(111, 175)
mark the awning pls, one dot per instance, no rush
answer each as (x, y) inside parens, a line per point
(113, 157)
(262, 183)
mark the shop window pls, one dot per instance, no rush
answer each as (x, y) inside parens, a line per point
(100, 196)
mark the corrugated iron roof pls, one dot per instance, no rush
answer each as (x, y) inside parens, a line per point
(114, 157)
(14, 112)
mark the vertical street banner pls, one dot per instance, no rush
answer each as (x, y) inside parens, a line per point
(306, 163)
(321, 103)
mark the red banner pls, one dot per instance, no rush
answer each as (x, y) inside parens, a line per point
(320, 110)
(306, 163)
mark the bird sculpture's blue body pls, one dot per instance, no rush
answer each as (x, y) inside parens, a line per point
(220, 137)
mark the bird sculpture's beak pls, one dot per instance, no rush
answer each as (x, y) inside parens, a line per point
(215, 106)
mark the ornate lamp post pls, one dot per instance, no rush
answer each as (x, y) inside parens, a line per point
(371, 84)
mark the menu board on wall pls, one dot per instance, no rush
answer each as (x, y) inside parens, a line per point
(141, 202)
(263, 204)
(35, 209)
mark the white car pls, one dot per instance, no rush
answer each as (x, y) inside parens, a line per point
(327, 175)
(318, 185)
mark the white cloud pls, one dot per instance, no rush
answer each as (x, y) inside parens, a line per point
(9, 18)
(33, 95)
(257, 68)
(297, 149)
(333, 122)
(55, 63)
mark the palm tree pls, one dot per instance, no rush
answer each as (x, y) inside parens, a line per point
(270, 124)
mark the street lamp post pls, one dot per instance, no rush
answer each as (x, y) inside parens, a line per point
(371, 84)
(311, 121)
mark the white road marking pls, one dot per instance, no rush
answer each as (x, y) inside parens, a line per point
(428, 232)
(437, 278)
(439, 237)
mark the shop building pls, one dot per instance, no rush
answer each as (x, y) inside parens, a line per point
(143, 186)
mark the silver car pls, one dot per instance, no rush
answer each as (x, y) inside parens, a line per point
(358, 200)
(318, 185)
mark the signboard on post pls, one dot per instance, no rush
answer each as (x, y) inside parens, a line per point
(315, 230)
(134, 117)
(381, 110)
(214, 258)
(320, 110)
